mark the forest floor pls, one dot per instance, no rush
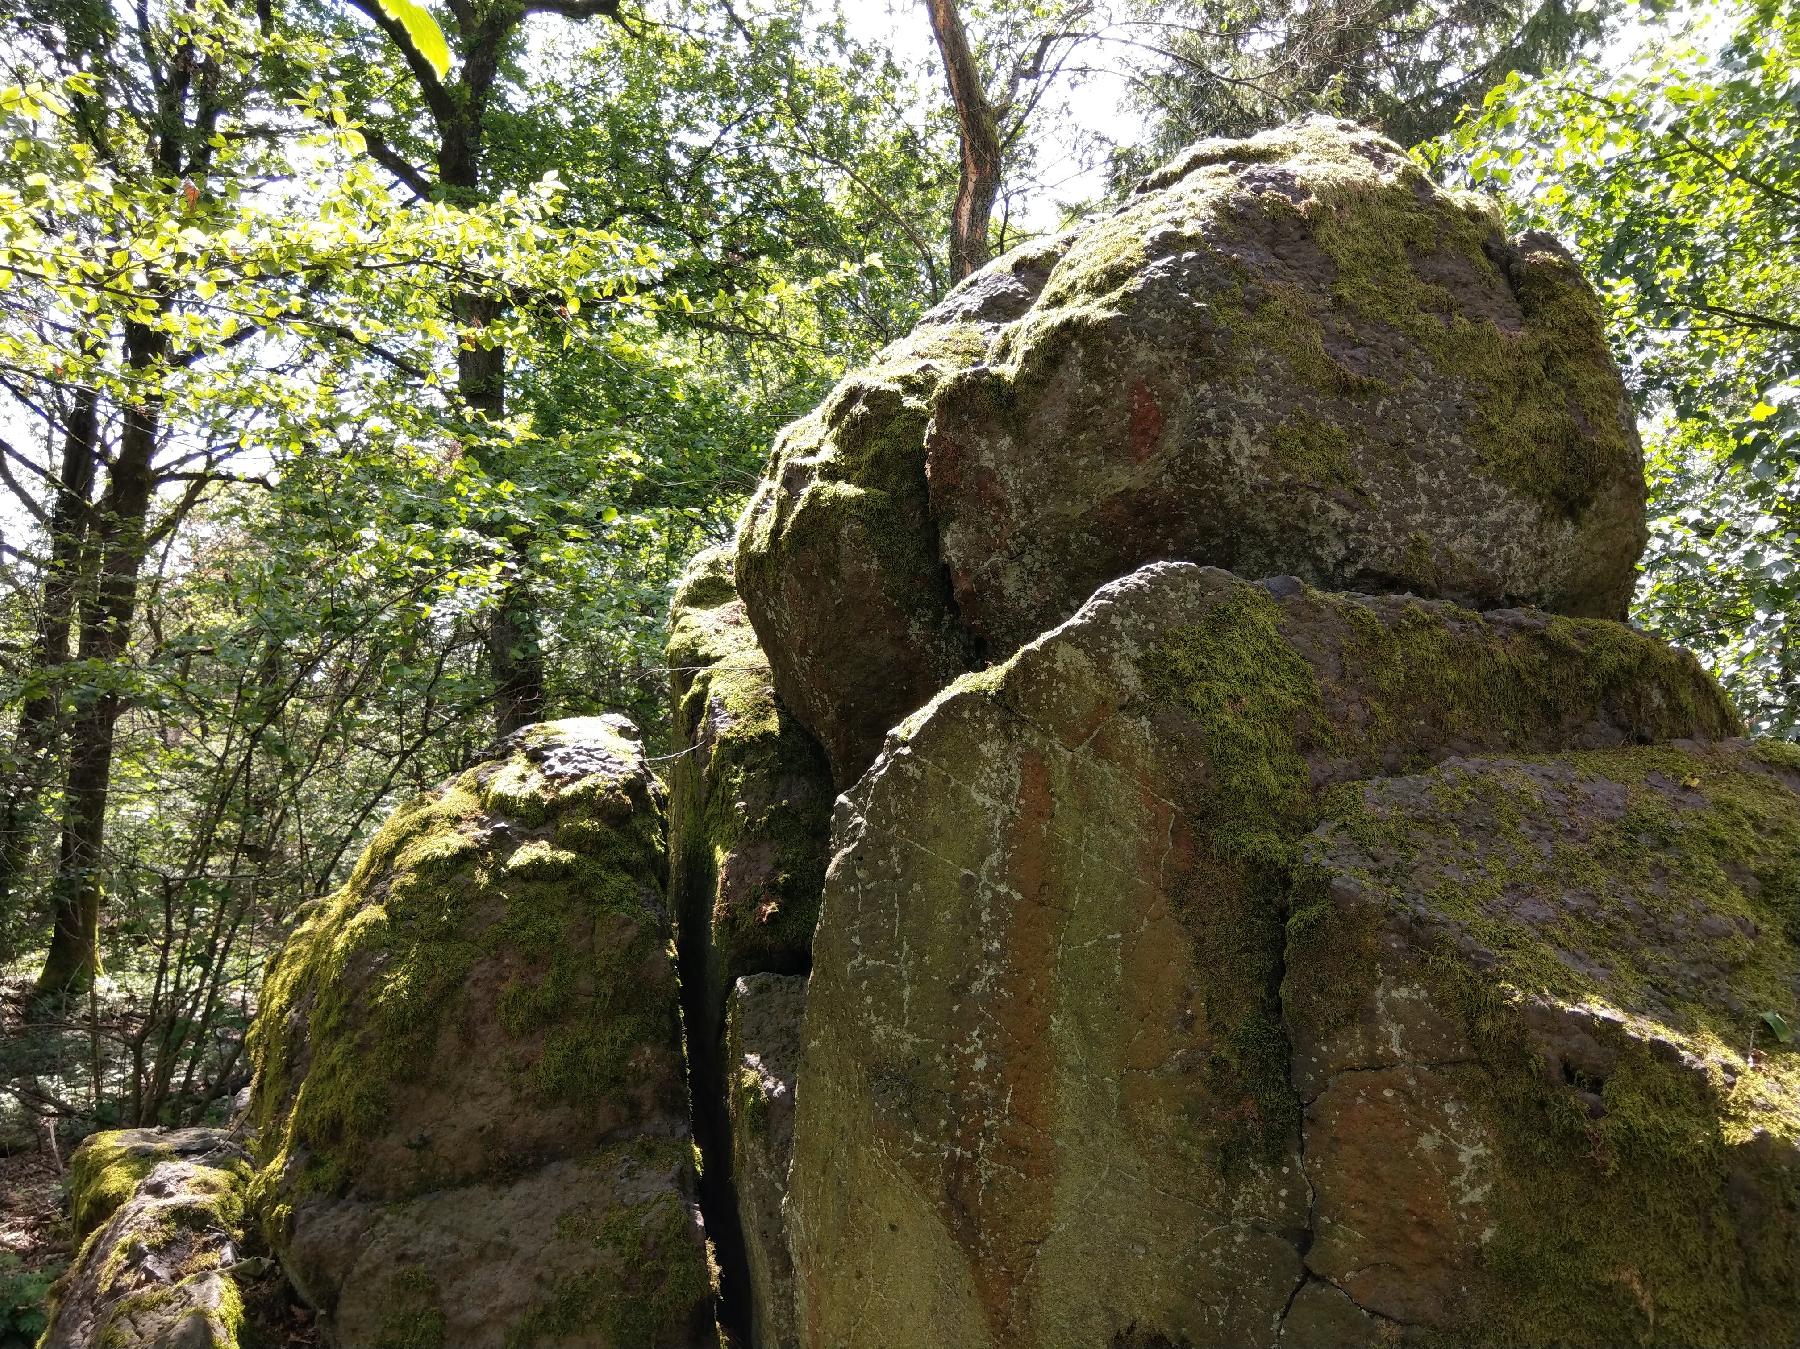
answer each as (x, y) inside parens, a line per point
(34, 1239)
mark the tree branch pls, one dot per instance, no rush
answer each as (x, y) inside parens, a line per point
(437, 96)
(413, 178)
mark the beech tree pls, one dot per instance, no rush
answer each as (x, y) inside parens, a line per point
(158, 297)
(1674, 171)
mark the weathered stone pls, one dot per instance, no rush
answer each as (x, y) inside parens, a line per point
(749, 802)
(749, 824)
(160, 1217)
(763, 1051)
(1044, 1098)
(837, 553)
(1292, 354)
(1526, 1001)
(470, 1101)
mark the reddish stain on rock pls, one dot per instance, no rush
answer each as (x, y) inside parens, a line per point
(1146, 426)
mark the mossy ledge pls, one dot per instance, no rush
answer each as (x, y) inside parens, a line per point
(161, 1219)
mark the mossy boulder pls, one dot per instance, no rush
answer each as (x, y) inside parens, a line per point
(470, 1102)
(762, 1053)
(1289, 354)
(837, 553)
(1045, 1093)
(1533, 1004)
(160, 1217)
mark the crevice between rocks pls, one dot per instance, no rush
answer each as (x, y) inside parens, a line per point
(709, 1117)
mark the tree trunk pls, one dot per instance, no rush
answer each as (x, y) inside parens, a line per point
(106, 618)
(35, 735)
(514, 639)
(979, 182)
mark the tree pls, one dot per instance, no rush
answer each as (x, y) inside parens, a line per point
(1676, 173)
(459, 111)
(150, 272)
(1026, 48)
(1407, 67)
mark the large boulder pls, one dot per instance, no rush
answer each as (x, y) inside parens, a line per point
(160, 1217)
(1291, 354)
(470, 1102)
(1527, 998)
(1045, 1096)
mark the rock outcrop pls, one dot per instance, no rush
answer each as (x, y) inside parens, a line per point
(1292, 354)
(160, 1217)
(749, 827)
(1273, 898)
(470, 1103)
(1526, 998)
(1045, 1097)
(749, 802)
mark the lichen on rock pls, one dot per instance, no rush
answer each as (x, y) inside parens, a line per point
(1291, 354)
(160, 1217)
(469, 1087)
(1526, 999)
(1045, 1094)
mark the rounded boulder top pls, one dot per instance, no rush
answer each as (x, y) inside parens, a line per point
(1291, 354)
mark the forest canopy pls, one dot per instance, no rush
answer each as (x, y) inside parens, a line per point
(369, 369)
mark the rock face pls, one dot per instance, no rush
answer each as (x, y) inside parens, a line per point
(1347, 957)
(160, 1217)
(1292, 354)
(749, 825)
(763, 1054)
(1511, 983)
(1045, 1095)
(470, 1102)
(749, 801)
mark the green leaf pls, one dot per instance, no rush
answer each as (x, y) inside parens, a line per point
(427, 38)
(1777, 1023)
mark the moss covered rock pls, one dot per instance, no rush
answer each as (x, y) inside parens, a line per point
(1045, 1094)
(837, 554)
(1291, 354)
(749, 802)
(1532, 1005)
(749, 826)
(469, 1100)
(762, 1049)
(160, 1217)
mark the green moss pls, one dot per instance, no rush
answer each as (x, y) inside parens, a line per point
(415, 1316)
(104, 1172)
(646, 1281)
(1253, 699)
(355, 1003)
(753, 783)
(1314, 451)
(1549, 416)
(1632, 1226)
(1406, 683)
(1109, 257)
